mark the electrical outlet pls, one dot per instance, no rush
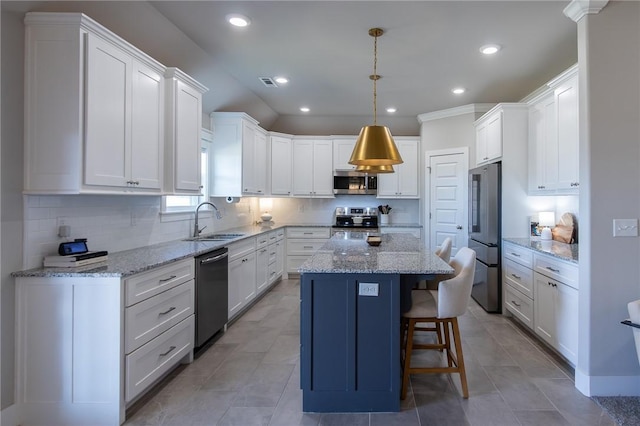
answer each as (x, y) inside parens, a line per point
(625, 227)
(61, 221)
(300, 208)
(368, 289)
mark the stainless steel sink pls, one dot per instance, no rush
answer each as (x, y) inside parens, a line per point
(215, 237)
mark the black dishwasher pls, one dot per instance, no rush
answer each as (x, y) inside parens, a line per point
(211, 294)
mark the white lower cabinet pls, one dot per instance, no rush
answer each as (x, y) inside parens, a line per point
(88, 347)
(542, 292)
(253, 269)
(556, 314)
(302, 242)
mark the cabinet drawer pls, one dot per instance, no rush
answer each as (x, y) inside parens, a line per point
(521, 255)
(556, 269)
(279, 234)
(148, 363)
(242, 248)
(273, 253)
(304, 247)
(151, 317)
(308, 233)
(142, 286)
(519, 277)
(273, 272)
(272, 237)
(519, 305)
(262, 240)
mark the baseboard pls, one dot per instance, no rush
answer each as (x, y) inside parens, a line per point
(607, 385)
(8, 416)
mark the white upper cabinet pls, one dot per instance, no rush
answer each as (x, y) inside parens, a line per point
(489, 137)
(553, 138)
(239, 160)
(184, 124)
(565, 94)
(543, 149)
(313, 167)
(403, 183)
(95, 111)
(281, 164)
(342, 149)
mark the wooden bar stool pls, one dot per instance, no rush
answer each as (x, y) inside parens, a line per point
(441, 307)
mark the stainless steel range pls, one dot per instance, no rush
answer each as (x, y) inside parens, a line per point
(356, 217)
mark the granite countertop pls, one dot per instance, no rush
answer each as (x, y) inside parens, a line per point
(399, 253)
(563, 251)
(133, 261)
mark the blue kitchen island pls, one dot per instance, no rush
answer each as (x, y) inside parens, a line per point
(352, 295)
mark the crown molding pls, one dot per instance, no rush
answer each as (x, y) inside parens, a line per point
(577, 9)
(452, 112)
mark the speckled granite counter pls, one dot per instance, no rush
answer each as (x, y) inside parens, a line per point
(348, 252)
(568, 252)
(130, 262)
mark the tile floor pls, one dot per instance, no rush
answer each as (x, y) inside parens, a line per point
(250, 376)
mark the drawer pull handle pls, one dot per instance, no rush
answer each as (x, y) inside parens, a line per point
(173, 308)
(164, 280)
(517, 277)
(308, 233)
(557, 271)
(308, 247)
(515, 303)
(515, 254)
(169, 351)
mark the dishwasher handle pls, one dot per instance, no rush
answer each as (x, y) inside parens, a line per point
(214, 258)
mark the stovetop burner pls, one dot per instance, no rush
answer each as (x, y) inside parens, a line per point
(356, 217)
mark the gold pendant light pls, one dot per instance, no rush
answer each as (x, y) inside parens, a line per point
(374, 170)
(375, 146)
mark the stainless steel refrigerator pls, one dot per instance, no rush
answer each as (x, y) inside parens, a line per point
(484, 235)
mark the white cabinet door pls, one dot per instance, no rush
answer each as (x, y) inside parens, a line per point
(188, 122)
(248, 158)
(279, 258)
(543, 149)
(280, 165)
(242, 282)
(403, 183)
(303, 168)
(566, 315)
(262, 269)
(147, 127)
(108, 111)
(494, 137)
(260, 162)
(566, 100)
(342, 149)
(489, 137)
(544, 308)
(323, 168)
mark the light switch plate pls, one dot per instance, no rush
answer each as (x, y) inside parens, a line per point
(625, 227)
(367, 289)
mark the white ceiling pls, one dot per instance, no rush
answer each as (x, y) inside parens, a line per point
(324, 48)
(428, 48)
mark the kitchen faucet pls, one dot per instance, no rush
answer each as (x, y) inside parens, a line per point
(196, 230)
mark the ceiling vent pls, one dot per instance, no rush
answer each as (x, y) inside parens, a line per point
(268, 81)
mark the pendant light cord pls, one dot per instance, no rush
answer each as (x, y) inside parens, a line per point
(375, 80)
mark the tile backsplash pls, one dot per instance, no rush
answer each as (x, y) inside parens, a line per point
(121, 222)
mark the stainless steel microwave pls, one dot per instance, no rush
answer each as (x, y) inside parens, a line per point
(350, 182)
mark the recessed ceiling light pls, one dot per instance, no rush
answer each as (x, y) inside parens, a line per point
(238, 20)
(490, 49)
(458, 90)
(281, 80)
(304, 109)
(392, 109)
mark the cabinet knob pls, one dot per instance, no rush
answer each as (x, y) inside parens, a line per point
(541, 186)
(459, 227)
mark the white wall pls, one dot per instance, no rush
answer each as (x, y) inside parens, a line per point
(609, 68)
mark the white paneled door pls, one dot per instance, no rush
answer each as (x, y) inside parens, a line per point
(447, 207)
